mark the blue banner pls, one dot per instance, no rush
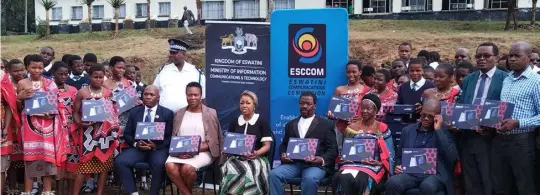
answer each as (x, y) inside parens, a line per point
(309, 51)
(237, 59)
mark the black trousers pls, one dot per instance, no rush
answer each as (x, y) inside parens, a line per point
(513, 164)
(475, 163)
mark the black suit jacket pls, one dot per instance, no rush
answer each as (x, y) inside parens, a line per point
(320, 129)
(136, 115)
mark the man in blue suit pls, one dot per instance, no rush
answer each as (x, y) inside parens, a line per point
(154, 152)
(428, 133)
(486, 83)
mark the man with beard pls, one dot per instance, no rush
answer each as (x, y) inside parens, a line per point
(173, 78)
(514, 144)
(315, 167)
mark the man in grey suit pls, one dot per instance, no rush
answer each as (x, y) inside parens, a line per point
(486, 83)
(187, 19)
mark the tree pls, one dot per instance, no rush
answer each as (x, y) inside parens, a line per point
(148, 15)
(48, 5)
(511, 12)
(199, 12)
(116, 5)
(270, 9)
(533, 17)
(14, 11)
(88, 3)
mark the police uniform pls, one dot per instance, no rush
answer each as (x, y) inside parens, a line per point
(172, 82)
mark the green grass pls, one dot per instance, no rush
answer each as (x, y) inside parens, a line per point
(436, 26)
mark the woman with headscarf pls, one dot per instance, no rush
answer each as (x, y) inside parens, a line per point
(366, 177)
(248, 174)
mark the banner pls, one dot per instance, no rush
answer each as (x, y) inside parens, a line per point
(309, 52)
(237, 59)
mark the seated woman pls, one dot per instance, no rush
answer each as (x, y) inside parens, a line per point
(249, 174)
(365, 177)
(195, 119)
(443, 90)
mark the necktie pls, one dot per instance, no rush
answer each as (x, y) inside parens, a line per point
(480, 92)
(148, 118)
(414, 85)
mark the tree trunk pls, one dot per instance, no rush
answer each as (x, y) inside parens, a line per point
(89, 17)
(47, 22)
(509, 14)
(514, 17)
(199, 12)
(148, 15)
(533, 15)
(116, 11)
(270, 9)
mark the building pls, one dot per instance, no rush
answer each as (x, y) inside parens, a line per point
(73, 12)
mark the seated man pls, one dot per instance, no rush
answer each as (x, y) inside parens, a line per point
(153, 152)
(314, 168)
(428, 134)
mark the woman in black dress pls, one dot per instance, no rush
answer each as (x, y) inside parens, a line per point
(248, 174)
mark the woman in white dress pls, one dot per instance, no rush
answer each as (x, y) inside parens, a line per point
(195, 119)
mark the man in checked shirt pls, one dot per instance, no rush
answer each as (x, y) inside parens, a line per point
(514, 145)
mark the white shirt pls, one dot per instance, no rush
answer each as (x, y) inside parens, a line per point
(48, 67)
(419, 84)
(172, 85)
(72, 76)
(489, 77)
(535, 69)
(303, 125)
(434, 64)
(152, 114)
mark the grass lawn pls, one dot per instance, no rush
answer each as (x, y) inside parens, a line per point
(373, 41)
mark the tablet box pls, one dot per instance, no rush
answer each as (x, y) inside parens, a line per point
(419, 160)
(96, 110)
(357, 150)
(466, 116)
(41, 103)
(493, 112)
(150, 131)
(126, 99)
(185, 145)
(340, 107)
(399, 109)
(300, 148)
(238, 144)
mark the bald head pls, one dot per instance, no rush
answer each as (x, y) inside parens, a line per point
(432, 106)
(522, 46)
(150, 96)
(462, 55)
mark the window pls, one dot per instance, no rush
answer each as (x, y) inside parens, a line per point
(56, 13)
(76, 13)
(122, 11)
(164, 8)
(416, 5)
(457, 4)
(213, 10)
(141, 10)
(377, 6)
(97, 11)
(246, 9)
(283, 4)
(496, 4)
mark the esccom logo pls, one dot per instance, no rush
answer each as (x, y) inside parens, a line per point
(307, 51)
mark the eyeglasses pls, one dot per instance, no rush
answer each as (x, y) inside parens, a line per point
(535, 60)
(429, 116)
(485, 56)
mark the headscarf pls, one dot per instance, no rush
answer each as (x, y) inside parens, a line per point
(373, 99)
